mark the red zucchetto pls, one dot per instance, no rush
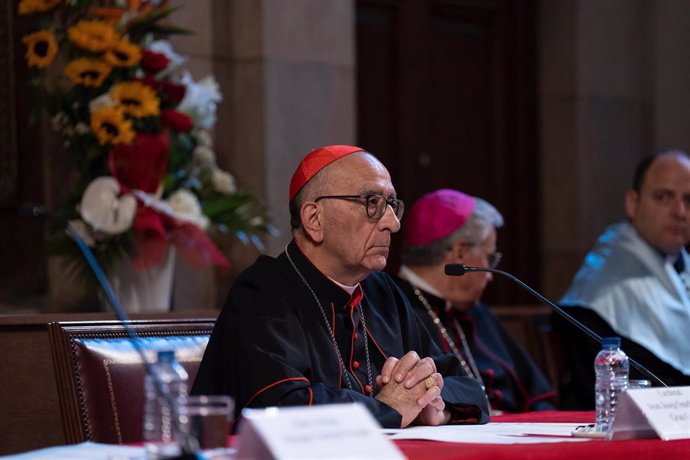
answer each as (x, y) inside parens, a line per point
(436, 215)
(315, 161)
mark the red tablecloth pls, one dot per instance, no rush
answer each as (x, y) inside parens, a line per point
(638, 449)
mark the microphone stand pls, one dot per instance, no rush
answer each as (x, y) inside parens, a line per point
(461, 269)
(188, 444)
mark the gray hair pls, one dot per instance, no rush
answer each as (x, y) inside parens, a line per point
(313, 187)
(476, 229)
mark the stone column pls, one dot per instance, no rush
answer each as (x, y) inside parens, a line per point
(596, 112)
(671, 67)
(287, 72)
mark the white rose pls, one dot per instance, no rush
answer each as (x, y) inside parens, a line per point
(223, 182)
(104, 100)
(204, 155)
(203, 137)
(165, 47)
(84, 231)
(200, 100)
(186, 207)
(82, 128)
(59, 121)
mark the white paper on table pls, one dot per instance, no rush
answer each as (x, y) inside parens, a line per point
(652, 413)
(85, 451)
(342, 431)
(492, 433)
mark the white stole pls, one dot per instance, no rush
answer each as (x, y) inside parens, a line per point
(637, 292)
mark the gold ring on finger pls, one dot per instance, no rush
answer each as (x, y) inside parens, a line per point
(430, 382)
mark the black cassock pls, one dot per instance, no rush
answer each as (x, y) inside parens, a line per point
(576, 391)
(270, 345)
(514, 383)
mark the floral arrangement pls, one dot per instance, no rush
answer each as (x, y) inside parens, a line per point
(137, 127)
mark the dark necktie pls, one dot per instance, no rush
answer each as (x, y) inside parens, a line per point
(679, 264)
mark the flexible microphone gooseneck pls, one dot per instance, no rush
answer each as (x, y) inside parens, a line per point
(461, 269)
(189, 445)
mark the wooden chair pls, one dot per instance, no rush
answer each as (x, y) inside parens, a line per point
(531, 326)
(100, 376)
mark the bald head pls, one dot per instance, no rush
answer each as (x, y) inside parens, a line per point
(658, 205)
(346, 215)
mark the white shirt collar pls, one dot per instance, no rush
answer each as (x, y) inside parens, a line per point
(414, 279)
(345, 287)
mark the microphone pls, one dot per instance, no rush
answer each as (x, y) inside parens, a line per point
(189, 445)
(461, 269)
(31, 210)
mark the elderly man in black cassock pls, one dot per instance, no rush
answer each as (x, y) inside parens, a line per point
(448, 227)
(320, 324)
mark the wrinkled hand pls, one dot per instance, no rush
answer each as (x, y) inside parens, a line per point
(403, 400)
(434, 413)
(401, 386)
(410, 368)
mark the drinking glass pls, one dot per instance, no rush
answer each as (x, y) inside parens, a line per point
(637, 384)
(210, 420)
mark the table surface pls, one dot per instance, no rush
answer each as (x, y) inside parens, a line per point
(636, 449)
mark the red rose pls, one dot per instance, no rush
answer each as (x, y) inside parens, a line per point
(153, 62)
(142, 164)
(174, 92)
(150, 82)
(151, 239)
(177, 120)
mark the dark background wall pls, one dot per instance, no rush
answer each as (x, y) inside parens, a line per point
(541, 107)
(446, 95)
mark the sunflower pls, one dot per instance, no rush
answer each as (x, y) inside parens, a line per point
(139, 100)
(123, 54)
(87, 72)
(114, 14)
(94, 36)
(41, 48)
(111, 127)
(36, 6)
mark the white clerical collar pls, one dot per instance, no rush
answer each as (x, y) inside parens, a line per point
(345, 287)
(417, 281)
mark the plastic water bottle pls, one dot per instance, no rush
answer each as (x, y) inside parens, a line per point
(160, 432)
(611, 369)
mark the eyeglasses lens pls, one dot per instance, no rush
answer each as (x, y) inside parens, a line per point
(494, 259)
(377, 204)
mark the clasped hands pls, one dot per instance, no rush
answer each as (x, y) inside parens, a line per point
(407, 385)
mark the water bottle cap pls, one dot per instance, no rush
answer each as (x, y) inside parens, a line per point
(166, 356)
(611, 342)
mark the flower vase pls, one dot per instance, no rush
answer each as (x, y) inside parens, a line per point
(140, 290)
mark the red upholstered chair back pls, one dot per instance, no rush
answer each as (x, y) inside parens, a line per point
(100, 376)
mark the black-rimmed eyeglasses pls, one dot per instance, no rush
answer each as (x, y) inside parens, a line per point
(374, 204)
(494, 259)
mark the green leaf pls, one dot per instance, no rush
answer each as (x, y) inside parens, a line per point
(169, 29)
(149, 23)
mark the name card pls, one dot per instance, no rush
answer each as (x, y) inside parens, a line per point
(316, 432)
(652, 412)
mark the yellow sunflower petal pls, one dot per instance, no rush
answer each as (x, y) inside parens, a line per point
(41, 48)
(111, 127)
(138, 99)
(94, 36)
(123, 54)
(87, 72)
(36, 6)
